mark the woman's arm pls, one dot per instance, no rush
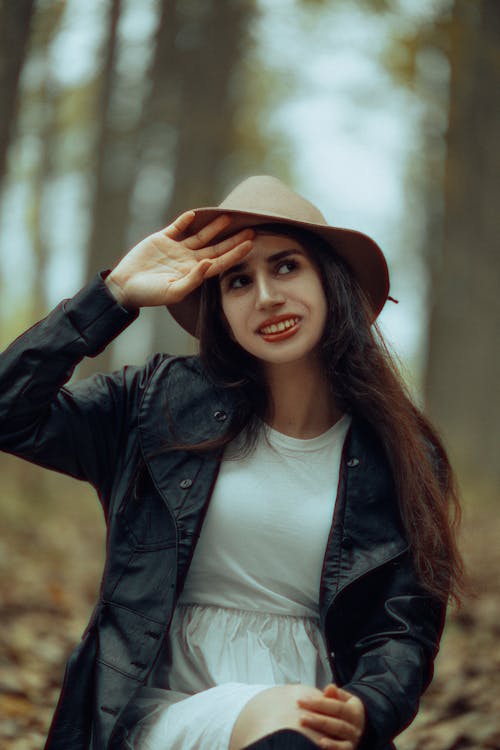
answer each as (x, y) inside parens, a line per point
(77, 429)
(391, 673)
(71, 430)
(392, 653)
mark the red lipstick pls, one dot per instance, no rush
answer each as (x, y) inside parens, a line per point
(279, 327)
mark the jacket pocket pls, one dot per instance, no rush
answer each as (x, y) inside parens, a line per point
(144, 516)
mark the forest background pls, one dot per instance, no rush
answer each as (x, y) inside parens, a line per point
(115, 115)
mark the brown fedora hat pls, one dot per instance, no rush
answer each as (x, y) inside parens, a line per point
(263, 199)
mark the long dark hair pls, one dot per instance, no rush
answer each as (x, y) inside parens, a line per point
(366, 383)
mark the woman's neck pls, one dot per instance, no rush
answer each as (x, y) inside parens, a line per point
(301, 400)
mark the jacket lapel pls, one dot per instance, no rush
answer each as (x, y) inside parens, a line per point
(366, 530)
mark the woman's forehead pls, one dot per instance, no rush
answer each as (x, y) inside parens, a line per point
(265, 241)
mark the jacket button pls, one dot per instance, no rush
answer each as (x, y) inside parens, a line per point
(185, 484)
(220, 416)
(352, 462)
(347, 542)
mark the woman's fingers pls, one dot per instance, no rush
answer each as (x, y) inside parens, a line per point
(229, 258)
(337, 714)
(206, 234)
(205, 269)
(180, 288)
(331, 726)
(220, 248)
(334, 691)
(201, 241)
(176, 229)
(329, 707)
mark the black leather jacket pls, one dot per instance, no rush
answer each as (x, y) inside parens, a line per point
(381, 628)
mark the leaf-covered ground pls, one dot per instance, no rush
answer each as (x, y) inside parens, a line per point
(50, 559)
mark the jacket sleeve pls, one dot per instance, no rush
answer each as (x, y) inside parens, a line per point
(74, 430)
(394, 662)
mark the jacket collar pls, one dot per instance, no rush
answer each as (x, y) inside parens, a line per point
(181, 405)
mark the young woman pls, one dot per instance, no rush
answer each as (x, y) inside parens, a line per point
(280, 545)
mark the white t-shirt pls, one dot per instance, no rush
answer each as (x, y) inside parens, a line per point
(263, 540)
(248, 616)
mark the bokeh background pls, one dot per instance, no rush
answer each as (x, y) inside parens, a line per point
(116, 115)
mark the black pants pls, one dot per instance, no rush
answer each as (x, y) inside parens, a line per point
(284, 739)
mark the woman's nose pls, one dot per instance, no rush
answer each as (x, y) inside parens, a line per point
(267, 294)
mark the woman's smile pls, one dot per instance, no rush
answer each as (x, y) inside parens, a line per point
(279, 328)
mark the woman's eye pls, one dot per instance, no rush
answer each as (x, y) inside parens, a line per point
(237, 282)
(287, 267)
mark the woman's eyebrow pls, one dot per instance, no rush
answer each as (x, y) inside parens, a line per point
(285, 254)
(239, 267)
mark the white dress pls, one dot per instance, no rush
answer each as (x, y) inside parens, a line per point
(247, 618)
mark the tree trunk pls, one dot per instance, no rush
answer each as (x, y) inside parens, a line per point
(111, 181)
(463, 367)
(211, 41)
(108, 185)
(174, 158)
(15, 21)
(47, 101)
(157, 145)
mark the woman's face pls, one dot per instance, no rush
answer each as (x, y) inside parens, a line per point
(274, 301)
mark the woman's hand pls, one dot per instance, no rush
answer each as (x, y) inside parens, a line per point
(338, 715)
(163, 268)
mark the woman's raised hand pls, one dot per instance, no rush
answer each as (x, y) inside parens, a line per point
(166, 266)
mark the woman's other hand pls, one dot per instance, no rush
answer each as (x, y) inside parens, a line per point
(166, 266)
(338, 715)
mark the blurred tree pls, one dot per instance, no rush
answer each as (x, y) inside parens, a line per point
(15, 21)
(43, 103)
(112, 166)
(114, 160)
(149, 168)
(463, 360)
(28, 31)
(157, 155)
(210, 43)
(452, 61)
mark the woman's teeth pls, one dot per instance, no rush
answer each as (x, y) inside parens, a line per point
(278, 327)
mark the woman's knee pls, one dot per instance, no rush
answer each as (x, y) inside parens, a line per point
(271, 710)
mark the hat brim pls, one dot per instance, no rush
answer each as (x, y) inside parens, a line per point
(358, 250)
